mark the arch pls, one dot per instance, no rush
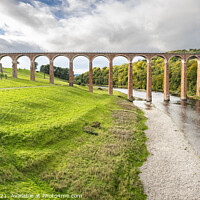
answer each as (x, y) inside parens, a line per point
(9, 59)
(60, 55)
(104, 57)
(140, 55)
(36, 57)
(101, 55)
(192, 56)
(55, 58)
(22, 55)
(3, 56)
(122, 55)
(119, 56)
(80, 55)
(178, 56)
(40, 55)
(161, 56)
(25, 56)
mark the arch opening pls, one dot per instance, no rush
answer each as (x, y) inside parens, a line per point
(120, 72)
(101, 71)
(6, 65)
(192, 77)
(175, 65)
(23, 67)
(42, 68)
(139, 73)
(81, 70)
(158, 70)
(61, 67)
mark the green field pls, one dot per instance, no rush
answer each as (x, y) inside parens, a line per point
(23, 79)
(64, 140)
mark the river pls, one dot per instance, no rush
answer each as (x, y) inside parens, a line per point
(185, 114)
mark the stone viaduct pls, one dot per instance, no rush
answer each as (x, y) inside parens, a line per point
(110, 56)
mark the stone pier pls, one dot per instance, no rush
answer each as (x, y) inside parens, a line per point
(90, 77)
(14, 68)
(130, 81)
(166, 81)
(51, 72)
(110, 78)
(183, 80)
(198, 78)
(32, 74)
(149, 83)
(71, 73)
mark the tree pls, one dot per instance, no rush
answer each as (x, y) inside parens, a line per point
(36, 65)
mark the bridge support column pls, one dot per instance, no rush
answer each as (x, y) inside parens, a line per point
(110, 78)
(14, 68)
(198, 79)
(51, 72)
(130, 82)
(149, 83)
(183, 80)
(90, 77)
(166, 81)
(71, 73)
(1, 68)
(32, 75)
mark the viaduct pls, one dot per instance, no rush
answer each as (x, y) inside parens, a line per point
(110, 56)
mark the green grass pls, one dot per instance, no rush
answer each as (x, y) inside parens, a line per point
(48, 144)
(23, 79)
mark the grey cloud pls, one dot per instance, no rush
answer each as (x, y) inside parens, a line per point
(16, 46)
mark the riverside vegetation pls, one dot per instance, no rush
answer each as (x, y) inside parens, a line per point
(63, 140)
(120, 74)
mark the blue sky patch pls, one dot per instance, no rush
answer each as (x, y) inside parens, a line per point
(2, 32)
(48, 2)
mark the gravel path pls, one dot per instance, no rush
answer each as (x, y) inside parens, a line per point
(172, 170)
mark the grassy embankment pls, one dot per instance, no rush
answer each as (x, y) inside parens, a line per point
(50, 143)
(23, 79)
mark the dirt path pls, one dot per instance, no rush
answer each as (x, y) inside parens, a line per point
(172, 170)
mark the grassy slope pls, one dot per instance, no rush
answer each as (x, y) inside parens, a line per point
(24, 79)
(45, 147)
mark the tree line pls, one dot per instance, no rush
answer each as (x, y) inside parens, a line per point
(62, 73)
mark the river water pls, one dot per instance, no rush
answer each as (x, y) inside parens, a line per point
(185, 114)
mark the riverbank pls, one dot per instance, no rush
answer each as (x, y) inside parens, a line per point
(172, 93)
(172, 170)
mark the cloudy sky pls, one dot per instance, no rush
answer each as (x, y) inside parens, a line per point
(98, 25)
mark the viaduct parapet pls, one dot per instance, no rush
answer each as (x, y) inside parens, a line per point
(110, 56)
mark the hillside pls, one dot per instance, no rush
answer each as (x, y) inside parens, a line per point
(23, 79)
(64, 140)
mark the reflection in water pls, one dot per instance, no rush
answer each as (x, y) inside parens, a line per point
(166, 106)
(185, 114)
(197, 106)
